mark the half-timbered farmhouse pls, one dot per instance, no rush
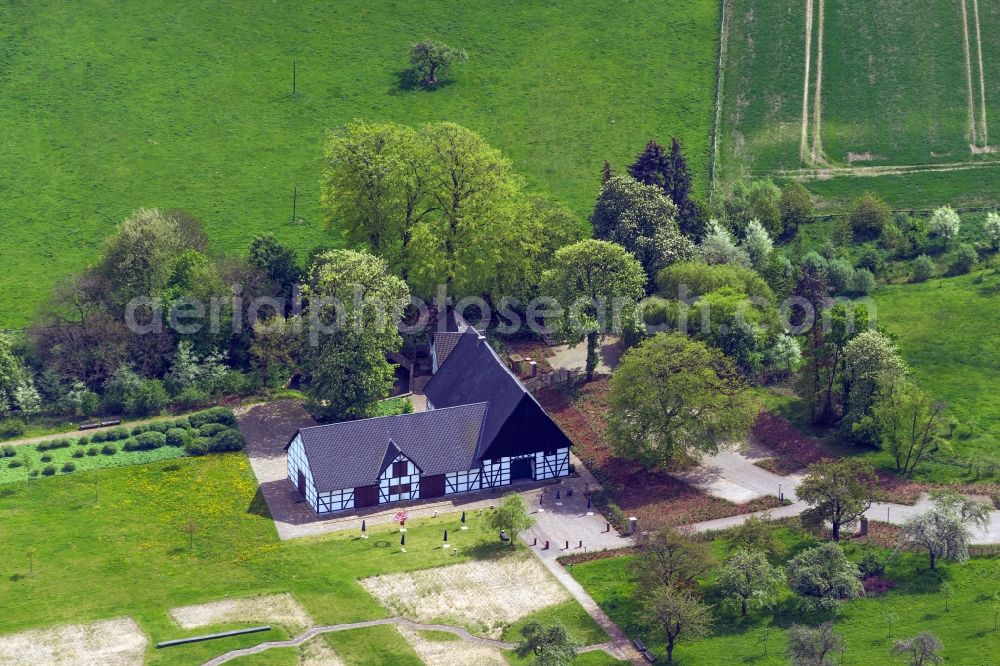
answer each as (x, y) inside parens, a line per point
(483, 429)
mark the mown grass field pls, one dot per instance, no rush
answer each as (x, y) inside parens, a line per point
(966, 628)
(893, 92)
(109, 107)
(947, 330)
(125, 553)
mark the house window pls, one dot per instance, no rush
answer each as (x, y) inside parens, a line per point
(399, 468)
(400, 489)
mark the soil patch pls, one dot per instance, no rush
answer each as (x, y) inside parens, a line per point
(794, 450)
(484, 596)
(280, 609)
(449, 652)
(118, 642)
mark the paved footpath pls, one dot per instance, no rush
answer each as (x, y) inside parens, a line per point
(732, 475)
(313, 632)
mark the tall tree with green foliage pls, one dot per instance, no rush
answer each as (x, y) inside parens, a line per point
(908, 424)
(672, 396)
(796, 207)
(139, 257)
(669, 172)
(277, 261)
(511, 516)
(587, 278)
(643, 220)
(754, 200)
(869, 215)
(674, 612)
(11, 374)
(350, 326)
(430, 60)
(839, 491)
(870, 357)
(549, 645)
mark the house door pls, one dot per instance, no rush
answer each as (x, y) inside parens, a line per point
(302, 483)
(520, 469)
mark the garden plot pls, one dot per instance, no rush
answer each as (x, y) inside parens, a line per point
(117, 642)
(448, 652)
(279, 609)
(485, 596)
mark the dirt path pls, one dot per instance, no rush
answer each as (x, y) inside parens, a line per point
(309, 634)
(804, 142)
(968, 74)
(824, 173)
(817, 142)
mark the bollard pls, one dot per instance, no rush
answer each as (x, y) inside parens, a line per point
(546, 546)
(534, 542)
(557, 493)
(607, 527)
(632, 524)
(580, 544)
(567, 546)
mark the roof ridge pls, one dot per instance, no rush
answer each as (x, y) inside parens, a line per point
(393, 416)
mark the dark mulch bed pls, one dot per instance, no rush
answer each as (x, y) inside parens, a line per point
(654, 497)
(905, 491)
(794, 451)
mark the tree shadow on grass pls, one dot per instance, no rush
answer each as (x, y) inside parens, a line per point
(491, 550)
(407, 81)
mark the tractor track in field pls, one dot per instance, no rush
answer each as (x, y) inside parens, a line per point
(804, 141)
(973, 134)
(983, 129)
(817, 141)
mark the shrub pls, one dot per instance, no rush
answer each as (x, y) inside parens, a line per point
(116, 434)
(839, 274)
(83, 441)
(146, 441)
(869, 215)
(196, 447)
(192, 396)
(49, 470)
(183, 423)
(11, 428)
(870, 259)
(211, 429)
(68, 467)
(14, 463)
(176, 437)
(160, 426)
(871, 565)
(228, 440)
(139, 429)
(965, 258)
(863, 281)
(54, 444)
(33, 473)
(93, 451)
(8, 451)
(214, 415)
(79, 453)
(46, 457)
(923, 268)
(109, 449)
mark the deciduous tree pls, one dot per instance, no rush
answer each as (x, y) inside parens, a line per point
(747, 579)
(643, 220)
(944, 530)
(667, 557)
(808, 646)
(924, 649)
(511, 516)
(587, 278)
(430, 60)
(839, 491)
(675, 613)
(349, 328)
(796, 206)
(824, 577)
(672, 396)
(908, 424)
(550, 645)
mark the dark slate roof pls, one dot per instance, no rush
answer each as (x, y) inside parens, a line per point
(354, 453)
(444, 344)
(515, 423)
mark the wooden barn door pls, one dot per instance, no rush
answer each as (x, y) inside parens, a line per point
(302, 483)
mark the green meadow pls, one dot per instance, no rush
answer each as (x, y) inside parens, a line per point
(111, 106)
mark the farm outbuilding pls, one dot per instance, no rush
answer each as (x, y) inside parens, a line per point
(483, 429)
